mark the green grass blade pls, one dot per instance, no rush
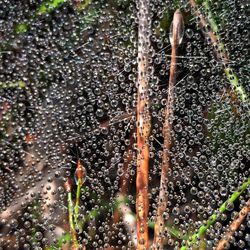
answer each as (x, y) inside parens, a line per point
(214, 217)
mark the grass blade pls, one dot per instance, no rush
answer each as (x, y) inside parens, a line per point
(214, 217)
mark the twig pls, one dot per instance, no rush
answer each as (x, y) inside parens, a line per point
(214, 217)
(234, 226)
(175, 38)
(27, 197)
(143, 126)
(220, 49)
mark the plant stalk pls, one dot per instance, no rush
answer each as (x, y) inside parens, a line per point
(221, 52)
(214, 217)
(143, 126)
(234, 226)
(79, 176)
(177, 27)
(71, 215)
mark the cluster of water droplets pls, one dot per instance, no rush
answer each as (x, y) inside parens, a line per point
(68, 100)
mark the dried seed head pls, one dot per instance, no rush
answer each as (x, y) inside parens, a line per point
(80, 173)
(176, 29)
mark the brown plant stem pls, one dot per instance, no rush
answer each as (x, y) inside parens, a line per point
(143, 126)
(177, 27)
(14, 208)
(234, 226)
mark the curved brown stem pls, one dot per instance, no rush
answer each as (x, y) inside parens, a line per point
(234, 227)
(176, 36)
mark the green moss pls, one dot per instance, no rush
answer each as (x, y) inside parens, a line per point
(11, 85)
(84, 5)
(45, 7)
(60, 242)
(21, 28)
(48, 6)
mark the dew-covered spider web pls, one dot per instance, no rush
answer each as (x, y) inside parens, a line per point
(124, 124)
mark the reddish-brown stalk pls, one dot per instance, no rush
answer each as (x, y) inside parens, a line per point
(234, 227)
(143, 126)
(175, 39)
